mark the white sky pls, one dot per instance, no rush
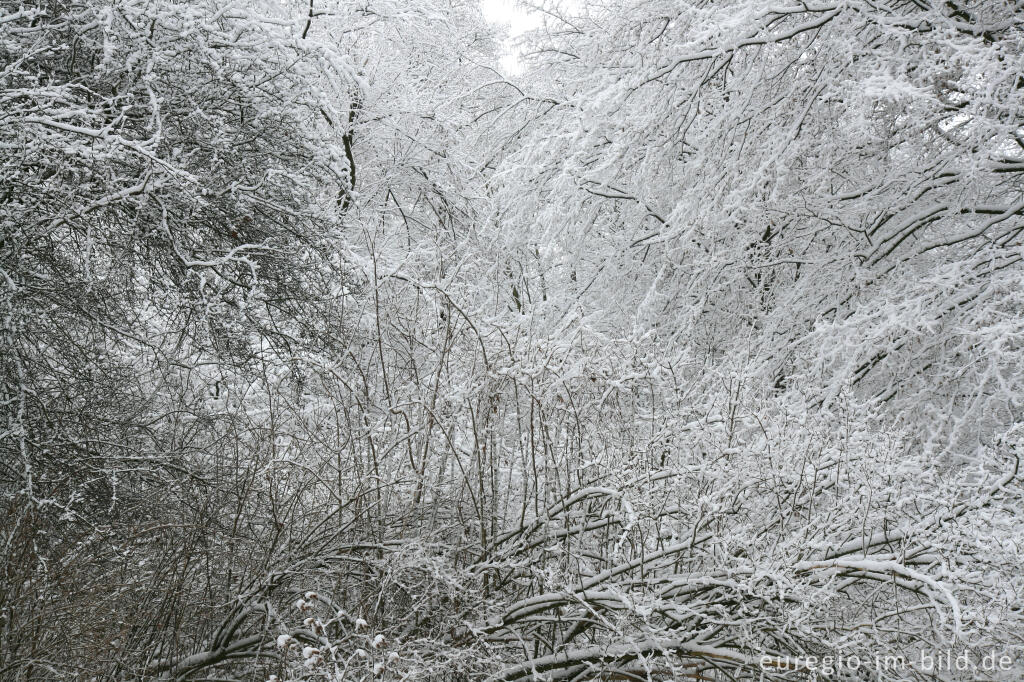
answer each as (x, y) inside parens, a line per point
(509, 12)
(518, 20)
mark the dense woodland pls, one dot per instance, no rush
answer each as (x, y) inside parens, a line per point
(330, 351)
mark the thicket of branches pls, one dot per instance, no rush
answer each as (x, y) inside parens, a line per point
(330, 352)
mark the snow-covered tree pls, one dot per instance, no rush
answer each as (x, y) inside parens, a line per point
(806, 220)
(332, 352)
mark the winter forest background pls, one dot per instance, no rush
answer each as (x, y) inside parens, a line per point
(691, 350)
